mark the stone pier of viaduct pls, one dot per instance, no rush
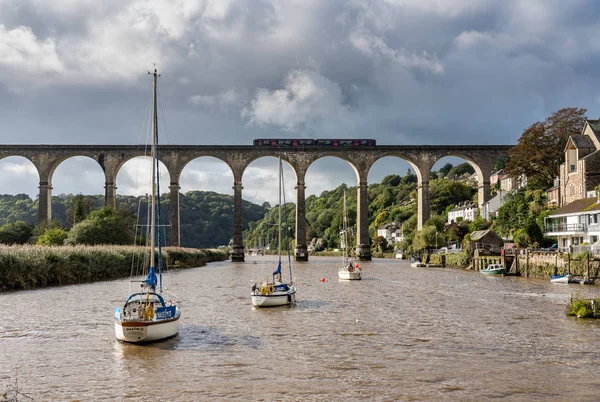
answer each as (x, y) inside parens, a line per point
(111, 158)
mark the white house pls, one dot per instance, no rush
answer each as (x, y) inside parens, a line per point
(490, 208)
(574, 224)
(392, 232)
(466, 210)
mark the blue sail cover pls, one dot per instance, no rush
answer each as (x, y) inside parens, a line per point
(278, 269)
(151, 278)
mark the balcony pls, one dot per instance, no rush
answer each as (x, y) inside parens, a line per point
(565, 228)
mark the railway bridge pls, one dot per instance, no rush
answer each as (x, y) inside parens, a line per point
(46, 158)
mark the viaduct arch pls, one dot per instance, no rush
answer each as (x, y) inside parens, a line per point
(111, 158)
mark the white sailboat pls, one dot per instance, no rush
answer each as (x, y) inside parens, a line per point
(146, 316)
(348, 270)
(274, 291)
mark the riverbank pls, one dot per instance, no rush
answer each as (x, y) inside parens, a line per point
(32, 266)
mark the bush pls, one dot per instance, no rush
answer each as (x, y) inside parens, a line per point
(52, 237)
(581, 308)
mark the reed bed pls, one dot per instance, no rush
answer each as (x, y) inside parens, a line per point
(33, 266)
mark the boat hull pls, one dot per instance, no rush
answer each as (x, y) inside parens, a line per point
(349, 275)
(274, 299)
(146, 331)
(493, 272)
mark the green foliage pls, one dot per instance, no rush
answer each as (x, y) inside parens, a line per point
(104, 226)
(426, 238)
(28, 267)
(459, 170)
(41, 227)
(540, 149)
(500, 163)
(15, 233)
(581, 308)
(479, 224)
(446, 169)
(391, 180)
(81, 206)
(380, 243)
(445, 191)
(206, 217)
(52, 237)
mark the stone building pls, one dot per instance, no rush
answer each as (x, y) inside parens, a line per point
(580, 173)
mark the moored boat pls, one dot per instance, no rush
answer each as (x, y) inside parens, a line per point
(494, 269)
(146, 316)
(274, 291)
(348, 269)
(566, 278)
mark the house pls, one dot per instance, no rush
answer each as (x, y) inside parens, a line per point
(574, 224)
(553, 194)
(485, 240)
(579, 174)
(496, 177)
(466, 210)
(490, 208)
(508, 183)
(392, 232)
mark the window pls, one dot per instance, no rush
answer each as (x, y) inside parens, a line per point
(572, 169)
(593, 239)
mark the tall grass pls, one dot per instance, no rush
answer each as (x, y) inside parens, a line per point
(32, 266)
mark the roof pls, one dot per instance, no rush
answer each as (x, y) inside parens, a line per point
(582, 205)
(582, 141)
(595, 126)
(479, 234)
(463, 206)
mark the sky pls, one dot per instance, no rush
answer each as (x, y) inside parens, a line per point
(405, 72)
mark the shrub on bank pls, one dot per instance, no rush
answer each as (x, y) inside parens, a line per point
(581, 308)
(32, 266)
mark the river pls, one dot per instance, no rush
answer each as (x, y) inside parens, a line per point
(401, 333)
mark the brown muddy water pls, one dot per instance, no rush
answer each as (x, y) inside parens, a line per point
(400, 334)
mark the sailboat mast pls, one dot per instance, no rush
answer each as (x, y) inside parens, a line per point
(345, 230)
(153, 155)
(279, 202)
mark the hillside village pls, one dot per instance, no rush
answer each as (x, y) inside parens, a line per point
(574, 199)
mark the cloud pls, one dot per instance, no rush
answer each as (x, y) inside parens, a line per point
(375, 47)
(22, 53)
(306, 98)
(230, 99)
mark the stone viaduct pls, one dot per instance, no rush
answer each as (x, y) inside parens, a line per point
(111, 158)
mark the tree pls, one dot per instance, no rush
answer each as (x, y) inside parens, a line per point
(53, 237)
(15, 233)
(104, 226)
(500, 162)
(460, 170)
(479, 224)
(446, 169)
(82, 206)
(445, 192)
(380, 243)
(540, 149)
(426, 238)
(391, 180)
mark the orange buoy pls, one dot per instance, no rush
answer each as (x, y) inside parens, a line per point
(322, 279)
